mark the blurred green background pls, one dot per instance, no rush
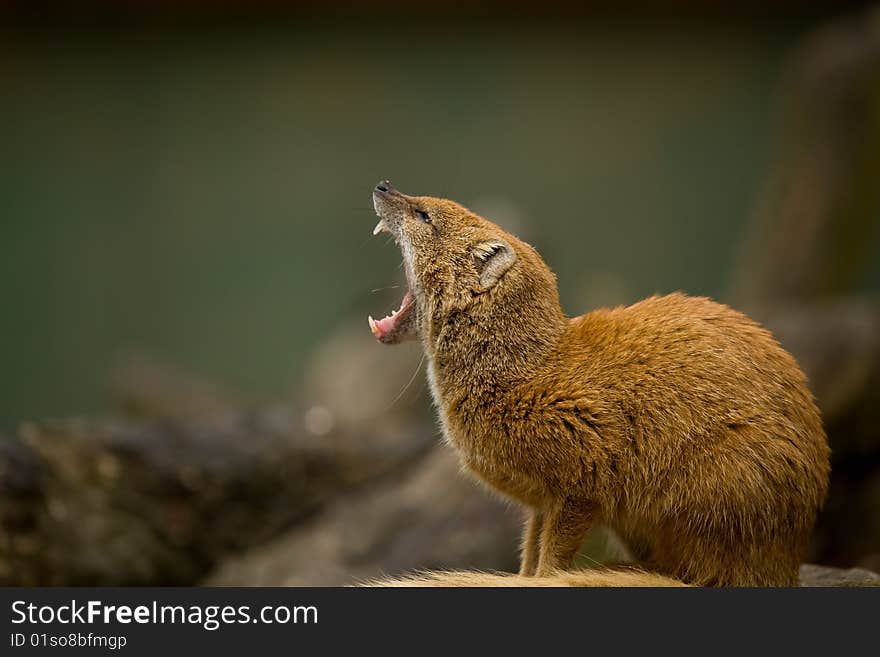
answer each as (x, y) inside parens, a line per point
(203, 194)
(186, 259)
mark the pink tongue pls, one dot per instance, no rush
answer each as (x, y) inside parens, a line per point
(385, 325)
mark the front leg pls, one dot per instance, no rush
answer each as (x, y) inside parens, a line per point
(563, 531)
(531, 543)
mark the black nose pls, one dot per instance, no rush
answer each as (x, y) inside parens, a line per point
(385, 186)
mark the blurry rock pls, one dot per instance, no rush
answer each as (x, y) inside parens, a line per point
(837, 343)
(848, 532)
(812, 575)
(20, 493)
(147, 387)
(430, 517)
(806, 256)
(813, 229)
(119, 502)
(352, 380)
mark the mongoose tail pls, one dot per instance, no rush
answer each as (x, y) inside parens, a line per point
(627, 578)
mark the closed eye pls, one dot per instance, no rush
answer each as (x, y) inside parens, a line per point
(421, 214)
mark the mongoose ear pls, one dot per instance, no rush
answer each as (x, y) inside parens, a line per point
(493, 258)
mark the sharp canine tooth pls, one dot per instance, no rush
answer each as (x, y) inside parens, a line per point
(379, 227)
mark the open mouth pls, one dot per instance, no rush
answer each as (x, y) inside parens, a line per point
(387, 328)
(391, 328)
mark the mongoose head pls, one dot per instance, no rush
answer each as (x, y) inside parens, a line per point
(456, 263)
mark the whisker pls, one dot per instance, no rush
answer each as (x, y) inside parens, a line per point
(409, 383)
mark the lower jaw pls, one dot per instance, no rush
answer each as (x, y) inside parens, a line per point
(400, 321)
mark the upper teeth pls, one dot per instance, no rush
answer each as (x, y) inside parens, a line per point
(379, 228)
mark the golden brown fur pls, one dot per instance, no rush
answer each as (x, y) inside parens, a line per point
(677, 421)
(574, 578)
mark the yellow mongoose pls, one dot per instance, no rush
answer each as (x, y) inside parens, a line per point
(677, 421)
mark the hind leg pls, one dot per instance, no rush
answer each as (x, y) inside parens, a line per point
(717, 561)
(766, 564)
(738, 512)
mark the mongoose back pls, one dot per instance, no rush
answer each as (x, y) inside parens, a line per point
(677, 421)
